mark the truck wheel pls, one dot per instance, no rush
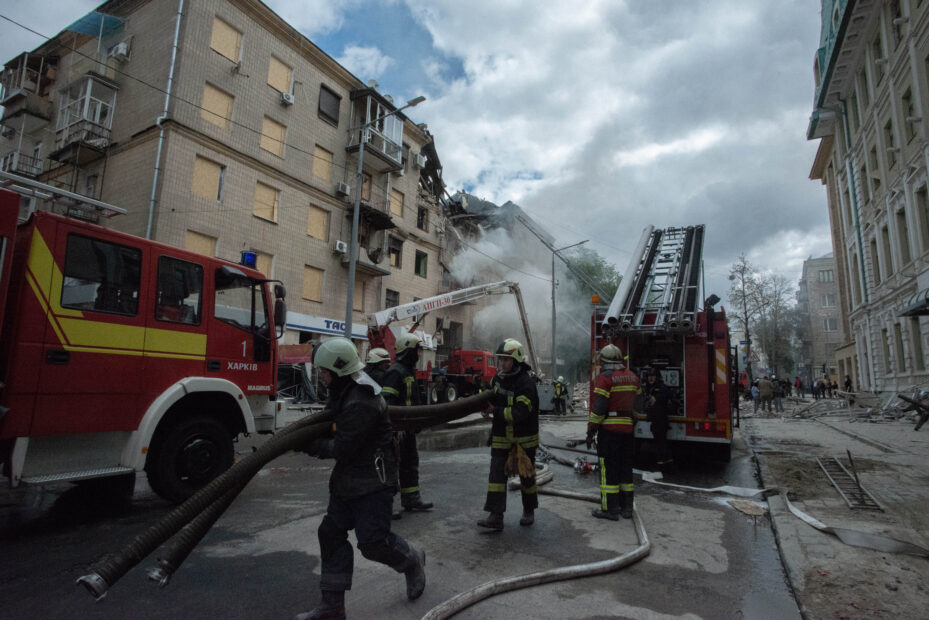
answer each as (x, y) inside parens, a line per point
(435, 394)
(451, 393)
(187, 456)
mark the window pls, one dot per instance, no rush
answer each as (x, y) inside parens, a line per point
(391, 298)
(266, 201)
(358, 297)
(366, 187)
(904, 235)
(865, 185)
(830, 324)
(216, 106)
(317, 223)
(312, 283)
(101, 276)
(875, 265)
(909, 115)
(329, 103)
(887, 251)
(422, 260)
(396, 203)
(90, 185)
(322, 163)
(877, 57)
(863, 91)
(200, 243)
(279, 75)
(422, 219)
(885, 346)
(875, 178)
(828, 300)
(916, 344)
(922, 210)
(896, 24)
(898, 348)
(890, 144)
(272, 136)
(263, 263)
(237, 298)
(826, 275)
(207, 179)
(856, 280)
(226, 40)
(180, 287)
(395, 252)
(853, 115)
(88, 100)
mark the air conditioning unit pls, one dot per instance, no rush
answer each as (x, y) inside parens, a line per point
(419, 161)
(342, 188)
(341, 247)
(120, 51)
(287, 98)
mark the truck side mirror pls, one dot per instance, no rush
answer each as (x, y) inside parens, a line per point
(280, 316)
(279, 291)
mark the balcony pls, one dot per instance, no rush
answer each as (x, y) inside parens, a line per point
(81, 143)
(21, 164)
(27, 82)
(375, 120)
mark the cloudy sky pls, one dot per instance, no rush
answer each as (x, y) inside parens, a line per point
(598, 117)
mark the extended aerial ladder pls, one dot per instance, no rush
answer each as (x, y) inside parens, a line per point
(659, 291)
(379, 334)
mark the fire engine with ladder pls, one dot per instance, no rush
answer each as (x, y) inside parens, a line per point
(119, 354)
(466, 371)
(656, 320)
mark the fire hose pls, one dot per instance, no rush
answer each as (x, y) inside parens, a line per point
(199, 512)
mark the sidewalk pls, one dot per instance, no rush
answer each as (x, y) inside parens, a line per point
(831, 579)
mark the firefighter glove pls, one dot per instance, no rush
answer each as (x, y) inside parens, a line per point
(591, 433)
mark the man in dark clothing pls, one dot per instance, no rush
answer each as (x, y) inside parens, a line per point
(848, 383)
(400, 389)
(378, 363)
(361, 485)
(514, 435)
(612, 421)
(658, 409)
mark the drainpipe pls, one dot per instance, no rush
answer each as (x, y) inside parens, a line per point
(161, 119)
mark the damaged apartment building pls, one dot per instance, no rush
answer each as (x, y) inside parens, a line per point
(221, 129)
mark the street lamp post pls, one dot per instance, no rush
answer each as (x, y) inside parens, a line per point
(353, 242)
(554, 252)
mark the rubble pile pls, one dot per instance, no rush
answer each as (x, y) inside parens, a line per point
(580, 397)
(863, 406)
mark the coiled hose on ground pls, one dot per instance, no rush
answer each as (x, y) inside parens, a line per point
(199, 512)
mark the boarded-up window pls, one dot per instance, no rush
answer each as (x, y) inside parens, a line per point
(322, 163)
(266, 199)
(272, 136)
(358, 296)
(216, 106)
(279, 75)
(226, 40)
(208, 178)
(317, 223)
(396, 203)
(263, 263)
(366, 187)
(200, 243)
(329, 105)
(312, 283)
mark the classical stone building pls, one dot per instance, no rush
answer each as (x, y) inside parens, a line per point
(818, 304)
(222, 129)
(871, 115)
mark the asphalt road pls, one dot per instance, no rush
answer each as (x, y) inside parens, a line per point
(707, 558)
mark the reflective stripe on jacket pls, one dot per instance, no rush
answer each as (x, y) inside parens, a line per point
(613, 405)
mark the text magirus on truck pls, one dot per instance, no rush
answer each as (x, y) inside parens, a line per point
(657, 320)
(119, 354)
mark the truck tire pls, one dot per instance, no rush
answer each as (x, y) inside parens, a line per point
(451, 393)
(187, 456)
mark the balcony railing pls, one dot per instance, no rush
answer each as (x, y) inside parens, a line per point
(83, 132)
(380, 146)
(22, 164)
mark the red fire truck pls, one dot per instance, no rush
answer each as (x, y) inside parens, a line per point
(120, 355)
(655, 320)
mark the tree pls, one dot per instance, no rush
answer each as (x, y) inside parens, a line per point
(743, 276)
(591, 272)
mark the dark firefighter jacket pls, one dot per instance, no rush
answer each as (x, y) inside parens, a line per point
(516, 410)
(661, 409)
(400, 386)
(375, 373)
(362, 445)
(613, 402)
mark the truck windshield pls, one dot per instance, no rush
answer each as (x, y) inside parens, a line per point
(240, 302)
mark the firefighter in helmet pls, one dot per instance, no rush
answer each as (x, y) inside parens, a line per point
(514, 435)
(612, 420)
(561, 391)
(400, 389)
(658, 405)
(378, 362)
(362, 483)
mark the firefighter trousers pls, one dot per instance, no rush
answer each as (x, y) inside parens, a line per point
(408, 468)
(614, 451)
(369, 516)
(496, 483)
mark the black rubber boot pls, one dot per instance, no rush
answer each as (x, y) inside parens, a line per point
(528, 517)
(627, 503)
(604, 514)
(415, 503)
(332, 607)
(493, 521)
(415, 574)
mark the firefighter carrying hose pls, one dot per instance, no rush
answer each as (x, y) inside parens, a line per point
(612, 422)
(362, 483)
(514, 435)
(400, 389)
(561, 391)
